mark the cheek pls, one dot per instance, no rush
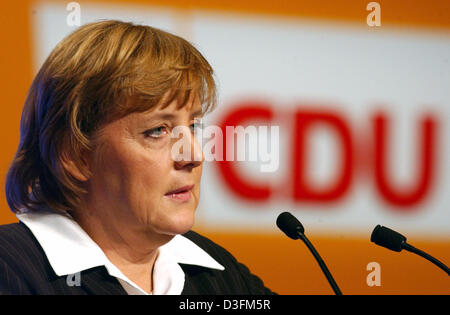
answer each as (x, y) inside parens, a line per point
(147, 173)
(107, 173)
(198, 175)
(128, 171)
(197, 178)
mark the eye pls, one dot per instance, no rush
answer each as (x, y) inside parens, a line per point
(196, 124)
(156, 132)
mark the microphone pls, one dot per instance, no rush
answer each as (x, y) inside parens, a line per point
(393, 240)
(292, 227)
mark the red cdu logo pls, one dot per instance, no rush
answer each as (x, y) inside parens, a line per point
(359, 154)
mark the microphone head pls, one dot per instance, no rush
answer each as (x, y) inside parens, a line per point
(388, 238)
(289, 224)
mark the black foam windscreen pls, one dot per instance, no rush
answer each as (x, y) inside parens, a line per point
(388, 238)
(290, 225)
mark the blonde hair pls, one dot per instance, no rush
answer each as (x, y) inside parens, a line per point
(100, 72)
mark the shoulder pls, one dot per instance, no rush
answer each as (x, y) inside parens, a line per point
(216, 251)
(236, 278)
(16, 240)
(213, 249)
(20, 251)
(22, 261)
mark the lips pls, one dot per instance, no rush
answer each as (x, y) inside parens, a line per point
(182, 194)
(183, 189)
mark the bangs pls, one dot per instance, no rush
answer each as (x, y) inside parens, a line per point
(182, 75)
(186, 90)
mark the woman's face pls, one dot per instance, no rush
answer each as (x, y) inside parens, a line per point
(134, 169)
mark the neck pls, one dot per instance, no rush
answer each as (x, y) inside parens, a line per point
(132, 250)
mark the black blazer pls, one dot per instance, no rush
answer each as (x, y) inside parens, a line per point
(25, 269)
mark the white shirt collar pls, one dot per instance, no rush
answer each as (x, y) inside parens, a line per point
(70, 250)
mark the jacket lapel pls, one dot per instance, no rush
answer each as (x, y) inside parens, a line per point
(97, 281)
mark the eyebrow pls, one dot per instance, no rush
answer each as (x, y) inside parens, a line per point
(170, 116)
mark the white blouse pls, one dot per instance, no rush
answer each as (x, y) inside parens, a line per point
(70, 250)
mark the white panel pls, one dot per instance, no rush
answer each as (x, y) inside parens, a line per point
(299, 63)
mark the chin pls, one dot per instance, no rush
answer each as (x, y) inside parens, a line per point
(179, 223)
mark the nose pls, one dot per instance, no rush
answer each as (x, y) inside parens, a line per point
(186, 151)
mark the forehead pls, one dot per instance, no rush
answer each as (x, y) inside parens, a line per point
(172, 111)
(193, 108)
(132, 123)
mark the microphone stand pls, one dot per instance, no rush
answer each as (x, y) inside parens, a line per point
(321, 263)
(417, 251)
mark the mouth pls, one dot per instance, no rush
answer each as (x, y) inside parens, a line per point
(180, 194)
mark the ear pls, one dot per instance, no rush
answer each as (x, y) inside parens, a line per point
(78, 172)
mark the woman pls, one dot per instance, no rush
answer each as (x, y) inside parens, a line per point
(105, 204)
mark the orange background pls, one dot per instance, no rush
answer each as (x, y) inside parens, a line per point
(285, 266)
